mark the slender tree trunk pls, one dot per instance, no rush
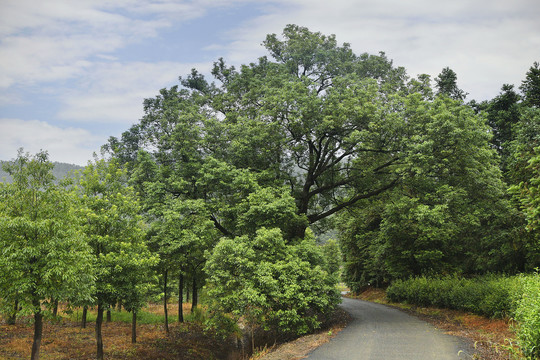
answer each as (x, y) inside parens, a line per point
(109, 316)
(180, 297)
(38, 331)
(55, 308)
(13, 317)
(99, 337)
(194, 292)
(165, 296)
(84, 315)
(134, 327)
(187, 294)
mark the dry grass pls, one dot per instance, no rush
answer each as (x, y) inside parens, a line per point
(65, 339)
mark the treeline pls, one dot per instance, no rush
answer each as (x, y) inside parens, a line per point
(230, 183)
(469, 203)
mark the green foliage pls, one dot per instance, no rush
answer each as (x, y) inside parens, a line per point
(527, 314)
(269, 283)
(446, 209)
(332, 257)
(44, 254)
(488, 295)
(528, 192)
(531, 86)
(525, 170)
(59, 171)
(309, 119)
(109, 216)
(446, 83)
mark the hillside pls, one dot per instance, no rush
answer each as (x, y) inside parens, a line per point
(60, 171)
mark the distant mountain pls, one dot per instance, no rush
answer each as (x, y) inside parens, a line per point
(60, 171)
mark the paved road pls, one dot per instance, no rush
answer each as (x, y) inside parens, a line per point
(381, 332)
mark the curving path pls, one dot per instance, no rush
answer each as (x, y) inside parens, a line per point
(385, 333)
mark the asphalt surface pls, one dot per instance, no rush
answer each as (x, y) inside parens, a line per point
(381, 332)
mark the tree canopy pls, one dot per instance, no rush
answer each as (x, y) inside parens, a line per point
(44, 254)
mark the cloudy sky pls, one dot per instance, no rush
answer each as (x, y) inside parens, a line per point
(73, 73)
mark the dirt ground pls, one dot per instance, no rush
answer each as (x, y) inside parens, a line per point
(65, 339)
(492, 338)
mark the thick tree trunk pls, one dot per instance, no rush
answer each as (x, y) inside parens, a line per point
(13, 317)
(109, 316)
(165, 297)
(134, 327)
(99, 336)
(38, 331)
(194, 292)
(84, 315)
(180, 297)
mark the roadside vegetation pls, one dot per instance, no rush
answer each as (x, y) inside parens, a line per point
(226, 192)
(516, 297)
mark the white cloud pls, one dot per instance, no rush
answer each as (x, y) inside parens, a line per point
(43, 41)
(71, 145)
(488, 43)
(114, 92)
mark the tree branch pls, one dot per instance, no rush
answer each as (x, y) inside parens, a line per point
(316, 217)
(220, 227)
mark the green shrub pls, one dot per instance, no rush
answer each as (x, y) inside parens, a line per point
(492, 296)
(489, 296)
(527, 314)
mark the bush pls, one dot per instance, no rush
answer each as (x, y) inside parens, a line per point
(268, 283)
(489, 296)
(527, 314)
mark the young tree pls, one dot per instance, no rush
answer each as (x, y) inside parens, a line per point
(272, 284)
(183, 235)
(115, 234)
(531, 86)
(44, 255)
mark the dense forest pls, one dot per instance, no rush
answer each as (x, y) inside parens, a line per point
(227, 187)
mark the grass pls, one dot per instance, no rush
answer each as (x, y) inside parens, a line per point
(151, 314)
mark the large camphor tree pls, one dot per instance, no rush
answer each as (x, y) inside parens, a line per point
(317, 119)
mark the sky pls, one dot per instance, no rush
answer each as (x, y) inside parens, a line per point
(75, 72)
